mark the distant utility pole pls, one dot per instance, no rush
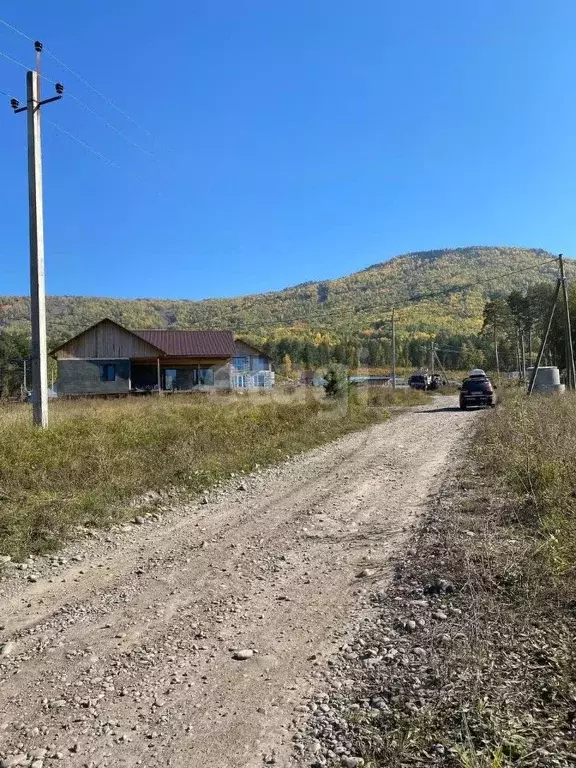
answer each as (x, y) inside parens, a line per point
(440, 365)
(393, 350)
(570, 370)
(432, 355)
(39, 358)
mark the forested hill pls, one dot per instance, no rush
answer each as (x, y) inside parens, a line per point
(434, 291)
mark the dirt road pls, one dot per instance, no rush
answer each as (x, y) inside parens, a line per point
(124, 655)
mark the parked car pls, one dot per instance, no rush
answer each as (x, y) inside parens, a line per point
(477, 391)
(29, 396)
(436, 381)
(419, 381)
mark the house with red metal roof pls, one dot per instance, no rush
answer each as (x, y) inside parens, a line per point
(108, 359)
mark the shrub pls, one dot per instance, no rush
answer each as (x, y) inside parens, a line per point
(337, 384)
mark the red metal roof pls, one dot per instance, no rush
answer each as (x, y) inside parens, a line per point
(190, 343)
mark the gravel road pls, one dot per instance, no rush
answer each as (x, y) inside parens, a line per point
(192, 640)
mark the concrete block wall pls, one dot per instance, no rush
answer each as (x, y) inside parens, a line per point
(82, 377)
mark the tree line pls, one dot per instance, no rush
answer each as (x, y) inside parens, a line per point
(517, 324)
(512, 328)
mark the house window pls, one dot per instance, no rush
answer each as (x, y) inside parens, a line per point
(206, 377)
(170, 378)
(108, 372)
(259, 364)
(240, 363)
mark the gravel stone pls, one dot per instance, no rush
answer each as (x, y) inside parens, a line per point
(7, 648)
(243, 655)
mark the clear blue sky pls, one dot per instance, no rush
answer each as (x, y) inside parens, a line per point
(293, 140)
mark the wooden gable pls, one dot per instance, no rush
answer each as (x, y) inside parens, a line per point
(243, 348)
(105, 341)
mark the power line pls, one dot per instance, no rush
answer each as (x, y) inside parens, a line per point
(27, 68)
(101, 95)
(83, 80)
(91, 149)
(58, 127)
(85, 106)
(13, 60)
(110, 125)
(18, 31)
(84, 144)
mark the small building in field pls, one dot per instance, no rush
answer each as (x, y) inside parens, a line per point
(108, 359)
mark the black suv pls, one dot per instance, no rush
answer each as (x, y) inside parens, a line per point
(477, 392)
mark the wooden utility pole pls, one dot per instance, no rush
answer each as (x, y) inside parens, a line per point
(440, 365)
(393, 350)
(570, 370)
(39, 359)
(432, 355)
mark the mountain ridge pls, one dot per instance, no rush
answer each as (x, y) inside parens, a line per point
(463, 278)
(436, 253)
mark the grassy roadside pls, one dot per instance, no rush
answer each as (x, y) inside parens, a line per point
(470, 659)
(99, 455)
(532, 445)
